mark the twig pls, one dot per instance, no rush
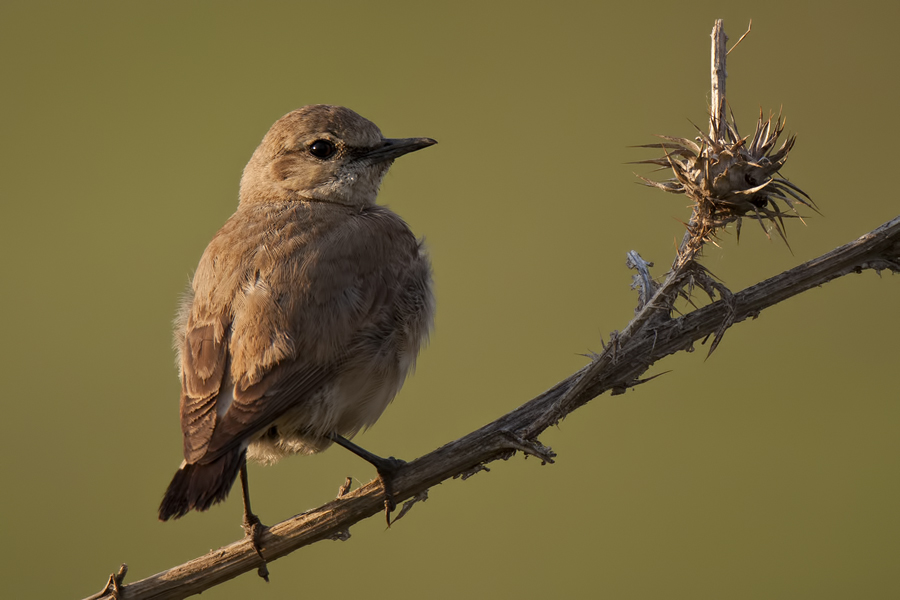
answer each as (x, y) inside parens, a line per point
(717, 100)
(741, 39)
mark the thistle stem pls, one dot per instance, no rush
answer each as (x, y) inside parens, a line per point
(718, 75)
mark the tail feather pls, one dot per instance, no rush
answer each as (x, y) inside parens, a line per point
(198, 486)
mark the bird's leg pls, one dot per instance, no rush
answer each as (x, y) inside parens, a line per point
(253, 527)
(387, 469)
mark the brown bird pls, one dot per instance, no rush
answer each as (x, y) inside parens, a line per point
(306, 312)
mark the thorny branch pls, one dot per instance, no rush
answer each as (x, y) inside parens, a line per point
(705, 172)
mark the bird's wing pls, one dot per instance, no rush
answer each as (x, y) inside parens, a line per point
(204, 359)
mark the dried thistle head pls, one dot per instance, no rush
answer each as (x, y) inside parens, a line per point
(729, 177)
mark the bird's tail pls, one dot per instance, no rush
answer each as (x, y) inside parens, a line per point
(198, 486)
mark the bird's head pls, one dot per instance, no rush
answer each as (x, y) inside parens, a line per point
(322, 153)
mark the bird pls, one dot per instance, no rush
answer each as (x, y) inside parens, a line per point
(306, 311)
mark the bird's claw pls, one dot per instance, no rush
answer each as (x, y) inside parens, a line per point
(387, 470)
(254, 529)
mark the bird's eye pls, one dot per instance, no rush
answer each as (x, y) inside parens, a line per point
(322, 148)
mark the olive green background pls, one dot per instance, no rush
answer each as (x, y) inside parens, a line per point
(770, 470)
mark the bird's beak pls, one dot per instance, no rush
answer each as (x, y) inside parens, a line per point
(394, 148)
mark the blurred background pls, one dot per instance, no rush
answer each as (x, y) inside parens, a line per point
(772, 469)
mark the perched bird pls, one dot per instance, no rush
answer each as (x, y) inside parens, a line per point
(306, 312)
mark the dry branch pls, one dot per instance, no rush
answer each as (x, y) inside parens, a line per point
(878, 250)
(650, 336)
(518, 430)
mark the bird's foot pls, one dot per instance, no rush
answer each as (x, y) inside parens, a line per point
(387, 470)
(254, 529)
